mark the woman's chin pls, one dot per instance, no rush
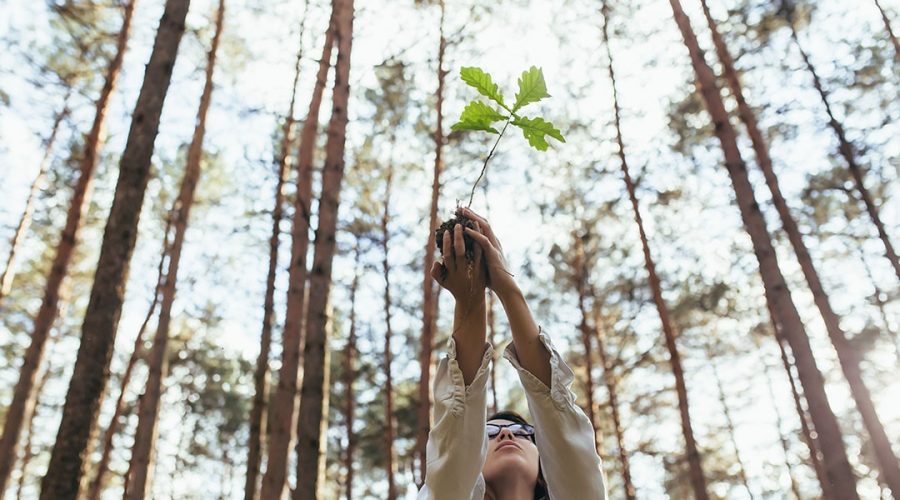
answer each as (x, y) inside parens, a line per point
(505, 464)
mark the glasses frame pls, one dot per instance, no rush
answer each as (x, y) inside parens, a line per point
(515, 428)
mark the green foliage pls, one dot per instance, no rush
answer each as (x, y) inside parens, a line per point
(482, 81)
(536, 129)
(480, 116)
(532, 88)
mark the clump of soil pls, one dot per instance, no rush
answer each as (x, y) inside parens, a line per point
(448, 226)
(459, 218)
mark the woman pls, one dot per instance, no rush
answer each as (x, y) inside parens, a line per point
(470, 457)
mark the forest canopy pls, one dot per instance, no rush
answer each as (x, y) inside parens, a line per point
(219, 219)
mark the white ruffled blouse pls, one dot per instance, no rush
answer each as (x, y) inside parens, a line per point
(457, 444)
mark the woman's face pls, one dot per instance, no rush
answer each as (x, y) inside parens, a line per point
(510, 458)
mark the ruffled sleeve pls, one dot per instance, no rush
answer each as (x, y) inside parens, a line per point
(457, 443)
(565, 436)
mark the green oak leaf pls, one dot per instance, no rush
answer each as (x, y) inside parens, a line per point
(479, 111)
(476, 77)
(532, 88)
(534, 129)
(470, 125)
(478, 116)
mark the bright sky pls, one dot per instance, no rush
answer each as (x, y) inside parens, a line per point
(253, 86)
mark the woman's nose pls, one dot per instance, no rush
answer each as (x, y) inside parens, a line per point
(505, 432)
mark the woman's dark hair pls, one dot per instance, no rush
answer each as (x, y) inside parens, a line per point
(540, 488)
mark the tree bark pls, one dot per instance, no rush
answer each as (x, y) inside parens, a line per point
(430, 295)
(23, 392)
(311, 440)
(845, 147)
(581, 275)
(777, 293)
(9, 271)
(847, 355)
(143, 450)
(697, 477)
(806, 433)
(261, 374)
(283, 407)
(611, 382)
(887, 27)
(349, 377)
(389, 333)
(97, 485)
(29, 417)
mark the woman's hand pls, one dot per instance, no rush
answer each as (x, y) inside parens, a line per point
(499, 279)
(464, 280)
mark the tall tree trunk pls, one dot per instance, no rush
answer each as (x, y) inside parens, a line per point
(350, 376)
(142, 452)
(581, 275)
(781, 437)
(849, 153)
(609, 378)
(9, 271)
(887, 27)
(97, 485)
(847, 355)
(698, 479)
(28, 453)
(729, 423)
(788, 319)
(812, 443)
(261, 375)
(23, 394)
(283, 407)
(64, 251)
(389, 333)
(430, 295)
(311, 440)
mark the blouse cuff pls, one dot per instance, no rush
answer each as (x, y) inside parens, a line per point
(561, 375)
(457, 392)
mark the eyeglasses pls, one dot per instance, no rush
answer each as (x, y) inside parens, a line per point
(518, 430)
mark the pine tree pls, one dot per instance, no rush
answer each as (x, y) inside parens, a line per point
(890, 31)
(313, 401)
(102, 468)
(611, 380)
(258, 413)
(581, 274)
(24, 394)
(849, 153)
(9, 271)
(88, 383)
(350, 374)
(430, 293)
(698, 479)
(777, 293)
(283, 418)
(847, 355)
(142, 452)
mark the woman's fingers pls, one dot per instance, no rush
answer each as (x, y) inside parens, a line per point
(449, 261)
(485, 227)
(479, 238)
(478, 250)
(459, 245)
